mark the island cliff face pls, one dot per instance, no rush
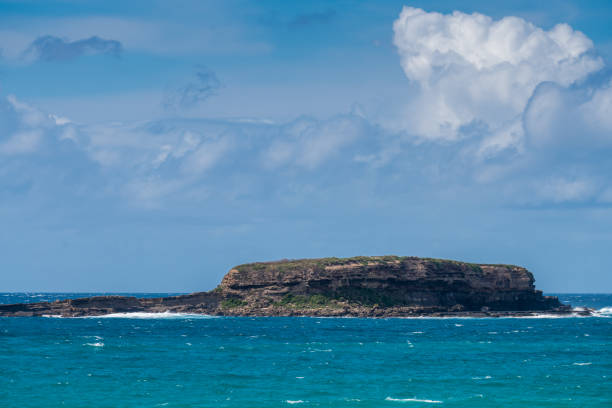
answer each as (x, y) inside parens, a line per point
(386, 286)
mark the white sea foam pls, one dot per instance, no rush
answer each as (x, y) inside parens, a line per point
(144, 315)
(577, 312)
(534, 316)
(582, 364)
(604, 311)
(93, 337)
(547, 316)
(98, 344)
(294, 401)
(413, 400)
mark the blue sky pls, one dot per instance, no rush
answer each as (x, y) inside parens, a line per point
(150, 146)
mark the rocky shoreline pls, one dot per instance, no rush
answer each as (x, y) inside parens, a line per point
(379, 287)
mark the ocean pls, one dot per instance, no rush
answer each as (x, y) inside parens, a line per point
(143, 360)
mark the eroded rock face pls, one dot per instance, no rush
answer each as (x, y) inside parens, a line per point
(362, 286)
(392, 281)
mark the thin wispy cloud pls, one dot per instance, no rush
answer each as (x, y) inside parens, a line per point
(203, 85)
(52, 48)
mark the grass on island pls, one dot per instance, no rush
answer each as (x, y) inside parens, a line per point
(293, 264)
(355, 296)
(316, 301)
(287, 265)
(232, 303)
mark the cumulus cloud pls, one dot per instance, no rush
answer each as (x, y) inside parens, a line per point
(501, 106)
(476, 71)
(578, 117)
(195, 91)
(171, 158)
(52, 48)
(22, 127)
(151, 162)
(161, 163)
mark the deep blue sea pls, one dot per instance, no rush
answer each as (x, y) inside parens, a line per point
(199, 361)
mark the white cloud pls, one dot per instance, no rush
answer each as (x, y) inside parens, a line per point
(22, 127)
(509, 135)
(28, 115)
(174, 158)
(475, 70)
(149, 162)
(207, 155)
(308, 143)
(150, 192)
(577, 117)
(21, 142)
(563, 190)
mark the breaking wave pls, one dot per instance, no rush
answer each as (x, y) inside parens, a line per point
(146, 315)
(413, 400)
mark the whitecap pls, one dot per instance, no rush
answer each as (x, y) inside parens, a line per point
(147, 315)
(605, 311)
(93, 337)
(413, 400)
(546, 316)
(582, 364)
(294, 401)
(98, 344)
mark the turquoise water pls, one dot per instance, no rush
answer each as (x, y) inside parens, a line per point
(189, 361)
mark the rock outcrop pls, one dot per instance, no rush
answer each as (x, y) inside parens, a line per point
(385, 286)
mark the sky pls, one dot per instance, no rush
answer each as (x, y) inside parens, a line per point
(149, 146)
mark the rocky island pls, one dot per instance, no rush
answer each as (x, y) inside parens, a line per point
(378, 286)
